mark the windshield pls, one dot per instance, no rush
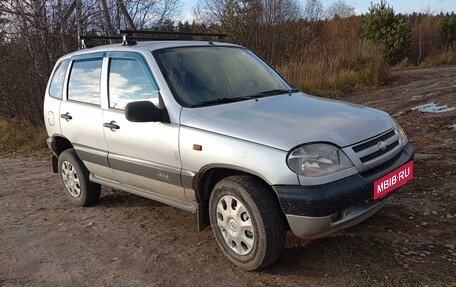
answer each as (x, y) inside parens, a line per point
(215, 75)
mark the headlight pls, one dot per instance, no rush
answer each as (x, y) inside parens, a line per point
(400, 133)
(319, 159)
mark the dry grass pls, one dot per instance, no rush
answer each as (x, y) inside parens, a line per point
(337, 68)
(444, 57)
(19, 138)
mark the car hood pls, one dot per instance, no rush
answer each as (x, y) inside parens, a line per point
(286, 121)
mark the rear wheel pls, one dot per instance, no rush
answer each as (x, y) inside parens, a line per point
(75, 179)
(247, 222)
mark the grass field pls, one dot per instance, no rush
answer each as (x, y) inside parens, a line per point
(21, 138)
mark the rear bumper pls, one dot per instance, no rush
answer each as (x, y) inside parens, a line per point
(316, 210)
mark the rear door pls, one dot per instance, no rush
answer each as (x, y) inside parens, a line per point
(81, 116)
(142, 155)
(53, 98)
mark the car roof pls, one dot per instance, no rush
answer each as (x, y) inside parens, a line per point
(147, 46)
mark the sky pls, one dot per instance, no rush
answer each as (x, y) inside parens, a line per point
(361, 6)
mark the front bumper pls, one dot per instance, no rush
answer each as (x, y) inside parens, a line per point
(316, 210)
(312, 227)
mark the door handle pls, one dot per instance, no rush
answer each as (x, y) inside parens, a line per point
(112, 125)
(66, 116)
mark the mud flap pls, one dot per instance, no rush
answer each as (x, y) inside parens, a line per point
(54, 161)
(202, 214)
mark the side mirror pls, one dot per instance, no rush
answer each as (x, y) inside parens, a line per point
(145, 111)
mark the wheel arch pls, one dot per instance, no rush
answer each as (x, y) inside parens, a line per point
(206, 180)
(58, 144)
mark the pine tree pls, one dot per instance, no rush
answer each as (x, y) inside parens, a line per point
(383, 26)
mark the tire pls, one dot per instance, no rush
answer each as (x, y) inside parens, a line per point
(75, 180)
(247, 222)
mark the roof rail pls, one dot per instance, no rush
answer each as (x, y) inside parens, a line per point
(128, 37)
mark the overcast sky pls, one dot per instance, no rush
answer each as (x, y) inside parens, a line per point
(361, 6)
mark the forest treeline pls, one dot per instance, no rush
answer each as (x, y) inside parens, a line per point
(327, 51)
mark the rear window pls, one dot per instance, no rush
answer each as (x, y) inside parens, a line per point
(56, 86)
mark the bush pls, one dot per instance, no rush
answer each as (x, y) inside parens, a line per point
(404, 64)
(446, 56)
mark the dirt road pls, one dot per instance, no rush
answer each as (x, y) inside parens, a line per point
(126, 240)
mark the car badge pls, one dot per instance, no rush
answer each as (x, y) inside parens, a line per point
(382, 145)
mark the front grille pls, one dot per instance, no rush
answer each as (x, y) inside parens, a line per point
(370, 151)
(373, 142)
(379, 152)
(384, 166)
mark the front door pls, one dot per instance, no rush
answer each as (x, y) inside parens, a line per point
(142, 155)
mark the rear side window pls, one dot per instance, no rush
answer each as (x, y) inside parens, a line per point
(56, 87)
(129, 82)
(85, 78)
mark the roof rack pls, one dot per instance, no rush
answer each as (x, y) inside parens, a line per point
(129, 37)
(83, 38)
(143, 32)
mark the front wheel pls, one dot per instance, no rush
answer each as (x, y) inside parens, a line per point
(75, 179)
(247, 222)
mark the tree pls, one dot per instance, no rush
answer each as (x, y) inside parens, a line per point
(313, 10)
(146, 14)
(35, 33)
(340, 9)
(262, 25)
(448, 28)
(383, 26)
(425, 35)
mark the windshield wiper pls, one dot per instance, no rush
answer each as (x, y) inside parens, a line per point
(216, 101)
(272, 93)
(245, 98)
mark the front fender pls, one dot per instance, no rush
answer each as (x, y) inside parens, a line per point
(223, 151)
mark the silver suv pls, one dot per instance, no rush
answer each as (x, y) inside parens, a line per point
(211, 128)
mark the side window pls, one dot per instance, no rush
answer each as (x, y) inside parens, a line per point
(129, 82)
(56, 86)
(85, 78)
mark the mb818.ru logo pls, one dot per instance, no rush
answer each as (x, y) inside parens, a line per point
(393, 180)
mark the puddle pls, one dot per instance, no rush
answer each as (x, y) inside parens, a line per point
(414, 98)
(433, 108)
(453, 127)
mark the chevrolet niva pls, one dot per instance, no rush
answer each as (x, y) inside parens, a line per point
(209, 127)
